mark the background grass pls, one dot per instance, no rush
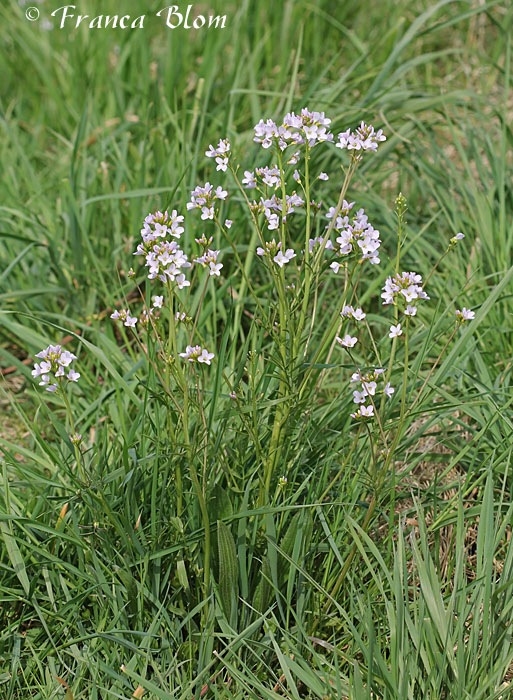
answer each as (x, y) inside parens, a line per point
(100, 127)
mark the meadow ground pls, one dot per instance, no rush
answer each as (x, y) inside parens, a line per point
(228, 530)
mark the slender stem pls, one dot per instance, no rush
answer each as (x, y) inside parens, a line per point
(200, 305)
(327, 338)
(69, 413)
(308, 269)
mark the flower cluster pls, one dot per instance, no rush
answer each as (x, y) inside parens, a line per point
(369, 385)
(306, 127)
(204, 197)
(273, 209)
(363, 412)
(221, 153)
(274, 251)
(165, 259)
(364, 138)
(152, 312)
(406, 286)
(195, 353)
(319, 241)
(209, 259)
(249, 180)
(159, 225)
(269, 176)
(124, 315)
(53, 366)
(465, 315)
(356, 235)
(350, 312)
(204, 242)
(347, 341)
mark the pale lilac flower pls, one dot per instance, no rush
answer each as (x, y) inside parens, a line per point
(207, 213)
(228, 223)
(221, 154)
(181, 281)
(335, 266)
(270, 176)
(297, 176)
(458, 237)
(349, 312)
(195, 353)
(233, 395)
(404, 285)
(364, 138)
(306, 127)
(271, 248)
(222, 164)
(215, 269)
(359, 396)
(159, 225)
(209, 259)
(364, 412)
(388, 390)
(66, 358)
(410, 310)
(180, 316)
(343, 213)
(45, 381)
(124, 315)
(465, 314)
(53, 361)
(249, 180)
(164, 257)
(323, 176)
(356, 234)
(395, 331)
(319, 240)
(347, 341)
(41, 368)
(282, 259)
(203, 198)
(76, 438)
(272, 208)
(369, 387)
(158, 301)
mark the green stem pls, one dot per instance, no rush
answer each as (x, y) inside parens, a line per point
(308, 269)
(78, 454)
